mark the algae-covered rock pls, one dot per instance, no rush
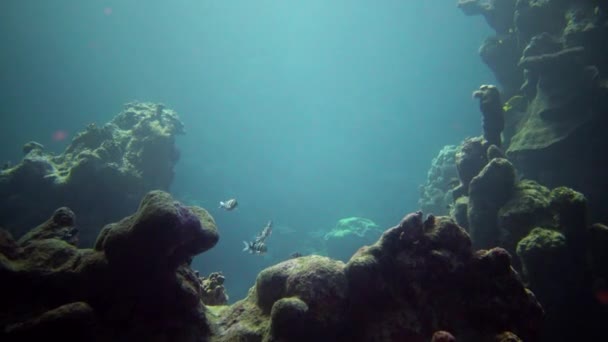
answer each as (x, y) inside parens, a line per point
(528, 207)
(420, 277)
(571, 212)
(214, 292)
(166, 232)
(69, 322)
(470, 159)
(411, 283)
(459, 211)
(115, 164)
(546, 262)
(136, 284)
(488, 192)
(493, 121)
(302, 299)
(350, 234)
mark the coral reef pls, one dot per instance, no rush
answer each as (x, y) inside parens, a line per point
(214, 292)
(115, 164)
(421, 277)
(420, 281)
(470, 159)
(551, 61)
(349, 234)
(135, 285)
(488, 192)
(442, 178)
(490, 106)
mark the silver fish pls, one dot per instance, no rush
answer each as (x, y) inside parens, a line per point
(229, 204)
(258, 245)
(255, 247)
(265, 233)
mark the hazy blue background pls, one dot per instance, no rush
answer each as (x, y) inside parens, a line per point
(306, 111)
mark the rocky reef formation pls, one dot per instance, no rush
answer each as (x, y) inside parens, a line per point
(136, 284)
(442, 178)
(348, 235)
(421, 280)
(114, 164)
(559, 251)
(550, 59)
(533, 182)
(214, 292)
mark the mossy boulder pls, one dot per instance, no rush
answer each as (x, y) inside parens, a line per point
(116, 163)
(421, 276)
(528, 207)
(136, 284)
(546, 263)
(488, 192)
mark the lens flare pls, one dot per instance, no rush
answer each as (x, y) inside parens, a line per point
(59, 135)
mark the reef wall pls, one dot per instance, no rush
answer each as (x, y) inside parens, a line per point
(102, 174)
(550, 58)
(533, 182)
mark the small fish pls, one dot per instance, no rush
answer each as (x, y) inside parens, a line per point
(265, 232)
(255, 247)
(229, 204)
(258, 245)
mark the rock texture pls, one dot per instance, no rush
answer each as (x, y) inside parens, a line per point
(420, 281)
(550, 59)
(134, 285)
(114, 164)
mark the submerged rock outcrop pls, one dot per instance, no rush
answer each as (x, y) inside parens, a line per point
(114, 164)
(421, 277)
(442, 178)
(536, 188)
(136, 284)
(420, 281)
(550, 59)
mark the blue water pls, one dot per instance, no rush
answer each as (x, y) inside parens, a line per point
(306, 111)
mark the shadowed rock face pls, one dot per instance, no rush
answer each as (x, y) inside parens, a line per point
(420, 277)
(135, 285)
(551, 56)
(102, 174)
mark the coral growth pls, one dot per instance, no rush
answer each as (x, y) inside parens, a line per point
(491, 108)
(116, 164)
(442, 178)
(488, 192)
(420, 277)
(214, 292)
(552, 60)
(135, 285)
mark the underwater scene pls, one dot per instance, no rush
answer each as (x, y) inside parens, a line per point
(319, 170)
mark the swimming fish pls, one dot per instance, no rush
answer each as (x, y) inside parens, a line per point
(229, 204)
(255, 247)
(265, 232)
(258, 245)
